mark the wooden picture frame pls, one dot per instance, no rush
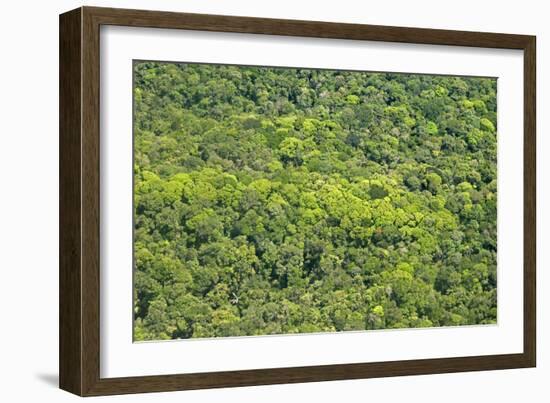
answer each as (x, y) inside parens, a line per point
(79, 346)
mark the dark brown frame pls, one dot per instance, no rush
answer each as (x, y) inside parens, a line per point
(79, 201)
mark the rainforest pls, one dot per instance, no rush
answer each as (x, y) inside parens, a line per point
(287, 200)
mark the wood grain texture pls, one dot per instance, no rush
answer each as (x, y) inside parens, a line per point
(530, 203)
(70, 275)
(317, 29)
(305, 374)
(90, 201)
(80, 201)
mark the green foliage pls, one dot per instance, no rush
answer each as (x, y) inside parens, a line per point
(275, 200)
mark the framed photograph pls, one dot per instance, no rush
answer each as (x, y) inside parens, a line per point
(249, 201)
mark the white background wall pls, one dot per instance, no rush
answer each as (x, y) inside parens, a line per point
(29, 199)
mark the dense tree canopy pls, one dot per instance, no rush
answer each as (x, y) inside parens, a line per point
(282, 200)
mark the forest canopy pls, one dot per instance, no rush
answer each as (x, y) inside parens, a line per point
(287, 200)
